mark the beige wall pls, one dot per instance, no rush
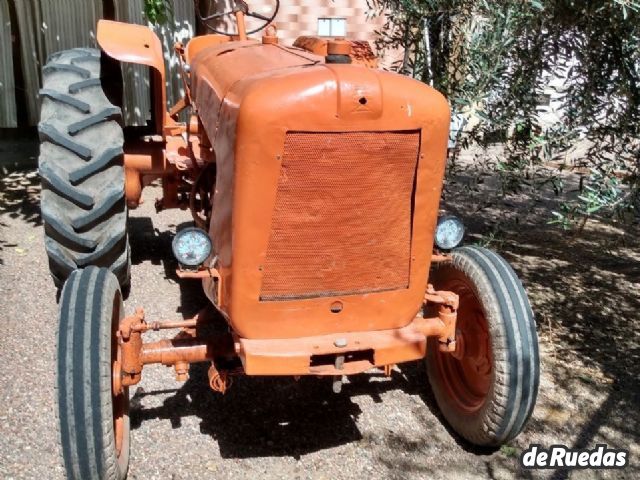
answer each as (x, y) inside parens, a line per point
(300, 17)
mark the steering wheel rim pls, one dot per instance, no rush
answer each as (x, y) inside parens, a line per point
(242, 6)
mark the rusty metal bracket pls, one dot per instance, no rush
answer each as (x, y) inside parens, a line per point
(219, 380)
(202, 274)
(440, 258)
(447, 340)
(448, 299)
(447, 313)
(180, 351)
(130, 343)
(199, 274)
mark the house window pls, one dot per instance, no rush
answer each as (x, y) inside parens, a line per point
(332, 27)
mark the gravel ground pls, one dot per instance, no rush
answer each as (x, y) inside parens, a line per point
(276, 428)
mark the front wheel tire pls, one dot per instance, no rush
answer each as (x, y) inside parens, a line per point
(487, 388)
(93, 421)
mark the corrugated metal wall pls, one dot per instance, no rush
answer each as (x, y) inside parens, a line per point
(29, 22)
(8, 114)
(137, 104)
(69, 23)
(48, 26)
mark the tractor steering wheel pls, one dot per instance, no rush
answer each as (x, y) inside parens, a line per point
(240, 6)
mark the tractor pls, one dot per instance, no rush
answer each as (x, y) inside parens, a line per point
(313, 179)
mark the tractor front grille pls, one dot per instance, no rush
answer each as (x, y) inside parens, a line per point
(343, 214)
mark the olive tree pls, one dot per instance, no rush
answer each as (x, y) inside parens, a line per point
(494, 59)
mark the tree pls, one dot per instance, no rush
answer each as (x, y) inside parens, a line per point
(158, 11)
(494, 59)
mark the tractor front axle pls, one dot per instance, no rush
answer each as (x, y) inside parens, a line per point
(323, 355)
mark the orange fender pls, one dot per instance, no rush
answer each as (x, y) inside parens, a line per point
(138, 44)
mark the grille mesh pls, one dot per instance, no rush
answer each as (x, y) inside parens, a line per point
(342, 218)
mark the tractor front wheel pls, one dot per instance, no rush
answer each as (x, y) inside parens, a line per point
(487, 388)
(93, 417)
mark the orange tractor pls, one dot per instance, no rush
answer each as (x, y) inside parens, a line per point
(314, 182)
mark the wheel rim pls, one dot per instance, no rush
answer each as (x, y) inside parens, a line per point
(120, 399)
(466, 374)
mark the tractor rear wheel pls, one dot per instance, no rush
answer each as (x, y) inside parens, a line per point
(487, 388)
(81, 166)
(93, 418)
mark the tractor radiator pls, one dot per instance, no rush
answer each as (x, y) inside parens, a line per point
(343, 215)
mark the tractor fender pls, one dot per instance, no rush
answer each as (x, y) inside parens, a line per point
(137, 44)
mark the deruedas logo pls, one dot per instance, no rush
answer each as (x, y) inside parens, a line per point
(560, 456)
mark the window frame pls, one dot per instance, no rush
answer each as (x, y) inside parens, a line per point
(332, 26)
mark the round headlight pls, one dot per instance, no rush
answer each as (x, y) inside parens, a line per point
(449, 232)
(191, 247)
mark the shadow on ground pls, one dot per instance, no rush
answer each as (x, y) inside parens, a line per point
(265, 417)
(19, 199)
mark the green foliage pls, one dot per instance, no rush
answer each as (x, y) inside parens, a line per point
(509, 451)
(494, 60)
(158, 12)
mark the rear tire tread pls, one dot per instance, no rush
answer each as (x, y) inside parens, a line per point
(83, 188)
(110, 242)
(64, 189)
(105, 159)
(90, 57)
(51, 134)
(66, 67)
(65, 99)
(68, 234)
(77, 87)
(109, 113)
(108, 201)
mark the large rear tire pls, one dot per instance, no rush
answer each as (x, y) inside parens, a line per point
(93, 421)
(487, 389)
(81, 166)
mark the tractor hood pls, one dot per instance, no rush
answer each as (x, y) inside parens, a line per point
(327, 189)
(216, 70)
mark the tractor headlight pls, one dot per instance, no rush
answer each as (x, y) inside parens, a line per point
(191, 247)
(449, 232)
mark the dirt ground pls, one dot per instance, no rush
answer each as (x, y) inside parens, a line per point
(585, 292)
